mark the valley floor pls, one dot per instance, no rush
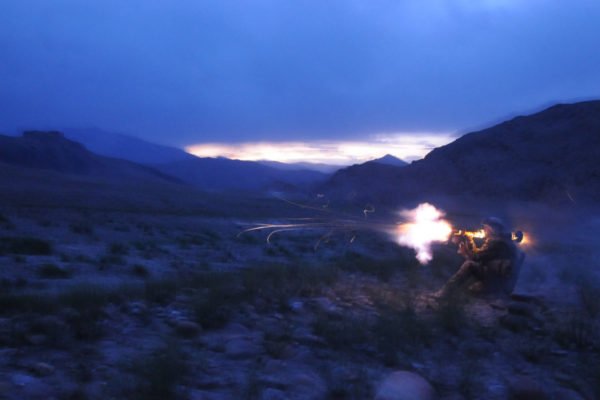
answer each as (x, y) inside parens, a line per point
(100, 304)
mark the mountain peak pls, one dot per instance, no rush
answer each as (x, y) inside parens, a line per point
(549, 156)
(389, 159)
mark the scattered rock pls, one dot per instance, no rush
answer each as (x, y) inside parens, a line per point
(36, 340)
(273, 394)
(186, 329)
(30, 387)
(42, 369)
(526, 388)
(137, 308)
(299, 380)
(6, 331)
(235, 328)
(205, 395)
(526, 310)
(405, 385)
(515, 323)
(296, 305)
(323, 303)
(240, 347)
(567, 394)
(23, 379)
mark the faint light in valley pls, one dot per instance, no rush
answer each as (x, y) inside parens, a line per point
(406, 146)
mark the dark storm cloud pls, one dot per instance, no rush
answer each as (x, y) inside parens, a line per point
(190, 71)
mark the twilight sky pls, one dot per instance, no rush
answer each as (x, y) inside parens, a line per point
(238, 74)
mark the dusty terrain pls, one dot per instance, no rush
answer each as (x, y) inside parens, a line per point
(101, 303)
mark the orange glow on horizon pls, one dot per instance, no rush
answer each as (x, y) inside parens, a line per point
(404, 146)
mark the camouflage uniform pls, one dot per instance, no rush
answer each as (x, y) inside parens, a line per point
(490, 266)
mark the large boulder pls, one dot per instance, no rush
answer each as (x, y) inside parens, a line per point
(405, 385)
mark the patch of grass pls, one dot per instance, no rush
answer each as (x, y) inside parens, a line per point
(25, 246)
(248, 238)
(252, 387)
(577, 331)
(468, 385)
(279, 282)
(46, 223)
(26, 302)
(83, 298)
(145, 228)
(115, 253)
(212, 310)
(341, 331)
(140, 270)
(117, 249)
(358, 388)
(588, 295)
(212, 307)
(6, 223)
(122, 228)
(450, 314)
(157, 374)
(400, 331)
(188, 240)
(88, 302)
(161, 290)
(82, 258)
(87, 297)
(3, 219)
(82, 228)
(148, 249)
(110, 259)
(53, 271)
(534, 351)
(382, 269)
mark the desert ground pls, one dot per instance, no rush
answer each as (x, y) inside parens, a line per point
(105, 302)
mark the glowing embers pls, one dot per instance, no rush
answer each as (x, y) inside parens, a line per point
(424, 227)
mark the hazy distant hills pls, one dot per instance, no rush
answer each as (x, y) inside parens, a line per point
(126, 147)
(206, 173)
(52, 151)
(325, 168)
(224, 174)
(549, 156)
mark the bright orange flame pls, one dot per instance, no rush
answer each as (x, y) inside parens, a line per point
(426, 226)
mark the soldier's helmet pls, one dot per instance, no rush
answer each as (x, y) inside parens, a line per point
(496, 224)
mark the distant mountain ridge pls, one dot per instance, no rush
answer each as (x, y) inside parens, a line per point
(50, 150)
(325, 168)
(206, 173)
(127, 147)
(225, 174)
(548, 156)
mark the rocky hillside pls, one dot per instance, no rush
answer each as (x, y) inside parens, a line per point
(550, 156)
(52, 151)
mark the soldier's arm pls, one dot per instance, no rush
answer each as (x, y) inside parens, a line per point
(467, 248)
(488, 251)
